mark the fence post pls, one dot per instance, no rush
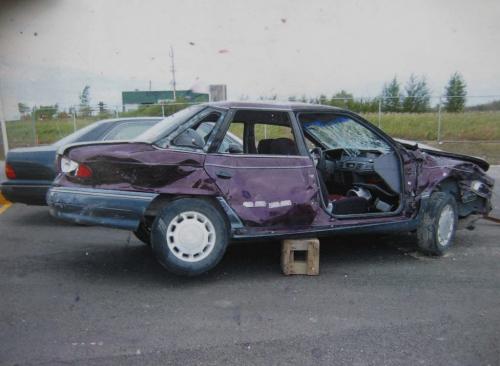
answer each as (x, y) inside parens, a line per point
(4, 131)
(74, 120)
(439, 122)
(162, 110)
(379, 111)
(33, 123)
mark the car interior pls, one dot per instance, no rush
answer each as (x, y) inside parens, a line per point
(255, 129)
(359, 173)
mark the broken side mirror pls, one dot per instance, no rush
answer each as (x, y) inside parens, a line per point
(189, 138)
(234, 149)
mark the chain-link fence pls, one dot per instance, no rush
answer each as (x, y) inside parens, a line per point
(473, 130)
(45, 125)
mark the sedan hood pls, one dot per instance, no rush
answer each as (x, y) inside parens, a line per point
(412, 145)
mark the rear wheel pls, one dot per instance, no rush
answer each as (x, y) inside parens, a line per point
(189, 236)
(437, 228)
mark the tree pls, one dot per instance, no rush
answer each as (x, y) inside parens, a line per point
(391, 96)
(342, 99)
(417, 95)
(455, 93)
(85, 109)
(24, 110)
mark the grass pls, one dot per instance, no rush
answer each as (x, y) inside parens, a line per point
(467, 126)
(475, 126)
(22, 133)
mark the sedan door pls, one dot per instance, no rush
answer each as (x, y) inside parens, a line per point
(269, 184)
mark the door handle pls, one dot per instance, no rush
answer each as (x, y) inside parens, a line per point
(223, 174)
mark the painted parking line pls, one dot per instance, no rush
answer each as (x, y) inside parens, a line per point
(4, 204)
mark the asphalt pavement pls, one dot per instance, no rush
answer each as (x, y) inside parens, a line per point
(93, 296)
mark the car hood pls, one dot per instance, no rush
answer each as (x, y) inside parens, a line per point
(412, 145)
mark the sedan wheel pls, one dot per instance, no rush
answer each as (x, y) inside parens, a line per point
(438, 224)
(189, 236)
(446, 225)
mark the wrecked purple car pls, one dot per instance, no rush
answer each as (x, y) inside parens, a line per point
(221, 172)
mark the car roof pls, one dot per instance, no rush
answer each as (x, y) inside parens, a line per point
(131, 119)
(260, 105)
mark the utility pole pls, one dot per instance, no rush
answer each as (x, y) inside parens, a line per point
(172, 69)
(149, 85)
(5, 141)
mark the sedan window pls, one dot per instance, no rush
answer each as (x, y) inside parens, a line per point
(128, 130)
(88, 133)
(195, 132)
(341, 132)
(267, 133)
(169, 124)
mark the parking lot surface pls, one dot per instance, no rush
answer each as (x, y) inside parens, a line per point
(90, 296)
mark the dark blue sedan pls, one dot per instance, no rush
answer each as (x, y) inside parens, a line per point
(31, 170)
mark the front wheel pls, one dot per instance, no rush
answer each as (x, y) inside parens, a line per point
(189, 236)
(438, 225)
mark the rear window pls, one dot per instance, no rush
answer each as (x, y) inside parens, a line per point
(169, 124)
(128, 130)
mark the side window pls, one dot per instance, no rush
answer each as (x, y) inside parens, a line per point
(198, 132)
(233, 141)
(270, 139)
(263, 133)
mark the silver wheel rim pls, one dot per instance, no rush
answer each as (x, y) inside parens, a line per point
(446, 225)
(191, 236)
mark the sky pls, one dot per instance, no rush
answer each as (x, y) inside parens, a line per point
(51, 49)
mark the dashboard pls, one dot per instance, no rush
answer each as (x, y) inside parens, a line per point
(361, 162)
(366, 162)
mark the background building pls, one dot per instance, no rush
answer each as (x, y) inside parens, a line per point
(133, 99)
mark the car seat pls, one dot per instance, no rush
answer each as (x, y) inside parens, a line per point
(279, 146)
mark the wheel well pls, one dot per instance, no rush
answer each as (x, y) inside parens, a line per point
(449, 185)
(162, 199)
(465, 208)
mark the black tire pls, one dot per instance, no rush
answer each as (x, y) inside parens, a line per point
(428, 232)
(143, 233)
(209, 251)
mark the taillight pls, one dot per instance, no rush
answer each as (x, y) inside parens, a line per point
(10, 172)
(83, 171)
(72, 168)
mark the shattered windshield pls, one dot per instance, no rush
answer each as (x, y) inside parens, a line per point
(341, 132)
